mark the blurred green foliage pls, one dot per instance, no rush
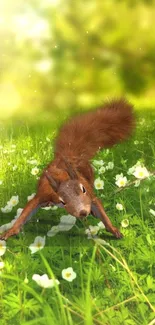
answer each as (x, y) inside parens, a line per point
(67, 54)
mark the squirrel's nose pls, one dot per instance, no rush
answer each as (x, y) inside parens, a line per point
(83, 213)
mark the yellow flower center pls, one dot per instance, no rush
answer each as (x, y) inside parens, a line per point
(68, 275)
(141, 174)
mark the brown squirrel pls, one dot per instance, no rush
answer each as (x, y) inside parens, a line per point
(68, 180)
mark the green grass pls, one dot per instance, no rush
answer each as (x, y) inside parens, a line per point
(115, 282)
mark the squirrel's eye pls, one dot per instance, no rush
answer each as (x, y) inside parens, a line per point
(62, 201)
(82, 188)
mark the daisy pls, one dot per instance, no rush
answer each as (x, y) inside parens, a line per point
(37, 245)
(152, 212)
(121, 181)
(2, 247)
(92, 231)
(98, 163)
(125, 223)
(13, 201)
(102, 170)
(7, 209)
(19, 211)
(53, 231)
(119, 206)
(101, 225)
(99, 184)
(44, 281)
(141, 172)
(30, 197)
(68, 274)
(110, 165)
(32, 162)
(35, 171)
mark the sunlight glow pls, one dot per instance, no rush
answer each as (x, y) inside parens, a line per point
(31, 26)
(10, 99)
(44, 65)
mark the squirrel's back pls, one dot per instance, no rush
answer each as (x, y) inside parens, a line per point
(84, 134)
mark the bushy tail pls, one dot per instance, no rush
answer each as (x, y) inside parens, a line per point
(83, 135)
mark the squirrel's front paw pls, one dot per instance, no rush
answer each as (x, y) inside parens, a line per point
(117, 233)
(9, 233)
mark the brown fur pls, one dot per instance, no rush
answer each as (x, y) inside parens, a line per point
(68, 180)
(83, 135)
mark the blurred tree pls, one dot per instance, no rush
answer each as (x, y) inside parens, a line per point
(58, 54)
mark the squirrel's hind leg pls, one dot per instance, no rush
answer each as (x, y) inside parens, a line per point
(99, 212)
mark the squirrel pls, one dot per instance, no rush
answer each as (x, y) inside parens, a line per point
(68, 180)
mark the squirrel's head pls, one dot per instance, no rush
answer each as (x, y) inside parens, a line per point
(73, 194)
(74, 198)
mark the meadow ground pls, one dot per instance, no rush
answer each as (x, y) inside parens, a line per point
(115, 279)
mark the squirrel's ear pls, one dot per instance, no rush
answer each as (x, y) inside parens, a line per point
(52, 181)
(70, 169)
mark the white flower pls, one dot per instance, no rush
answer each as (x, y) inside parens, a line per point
(119, 206)
(2, 247)
(68, 274)
(125, 223)
(66, 222)
(141, 172)
(54, 207)
(99, 184)
(1, 182)
(46, 208)
(102, 170)
(92, 231)
(101, 225)
(118, 176)
(30, 197)
(53, 231)
(131, 170)
(35, 171)
(13, 201)
(44, 281)
(1, 265)
(14, 167)
(32, 162)
(136, 142)
(7, 209)
(38, 244)
(110, 165)
(152, 212)
(19, 211)
(121, 181)
(98, 163)
(5, 227)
